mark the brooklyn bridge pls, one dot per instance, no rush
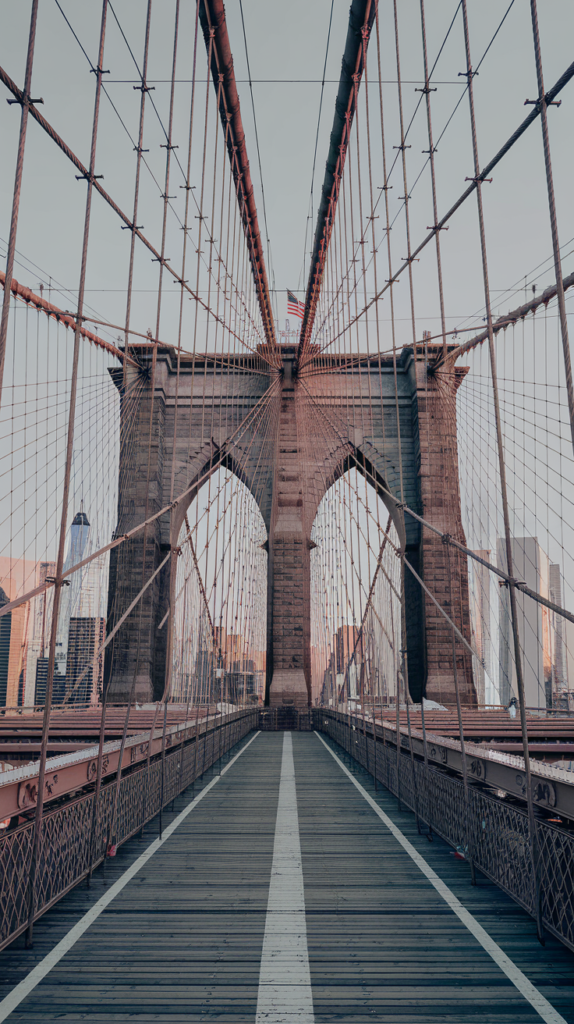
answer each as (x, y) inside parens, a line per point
(287, 512)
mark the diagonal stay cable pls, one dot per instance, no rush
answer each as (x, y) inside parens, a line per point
(516, 135)
(274, 388)
(11, 85)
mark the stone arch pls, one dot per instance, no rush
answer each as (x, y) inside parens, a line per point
(345, 660)
(355, 457)
(234, 640)
(209, 466)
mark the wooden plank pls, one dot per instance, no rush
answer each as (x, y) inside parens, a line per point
(383, 945)
(182, 942)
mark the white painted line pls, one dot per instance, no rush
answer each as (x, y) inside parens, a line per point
(19, 993)
(284, 980)
(513, 973)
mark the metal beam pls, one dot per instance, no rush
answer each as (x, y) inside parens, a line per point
(361, 18)
(212, 17)
(67, 319)
(501, 324)
(84, 173)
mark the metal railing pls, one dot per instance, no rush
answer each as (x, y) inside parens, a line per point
(69, 852)
(491, 832)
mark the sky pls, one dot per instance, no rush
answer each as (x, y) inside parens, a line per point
(286, 45)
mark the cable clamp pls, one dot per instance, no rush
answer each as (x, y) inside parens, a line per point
(512, 582)
(24, 100)
(477, 180)
(88, 177)
(74, 316)
(426, 90)
(132, 227)
(58, 582)
(437, 227)
(548, 103)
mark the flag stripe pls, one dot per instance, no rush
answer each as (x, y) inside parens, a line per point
(294, 306)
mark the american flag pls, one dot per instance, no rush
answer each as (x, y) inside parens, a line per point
(294, 307)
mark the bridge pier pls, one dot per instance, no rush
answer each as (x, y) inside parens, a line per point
(322, 429)
(136, 655)
(291, 571)
(444, 569)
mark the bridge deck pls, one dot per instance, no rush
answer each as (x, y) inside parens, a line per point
(197, 934)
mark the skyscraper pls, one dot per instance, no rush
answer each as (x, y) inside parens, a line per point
(480, 613)
(39, 637)
(559, 667)
(71, 595)
(16, 578)
(530, 565)
(84, 668)
(13, 632)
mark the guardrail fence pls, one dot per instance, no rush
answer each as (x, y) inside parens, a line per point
(70, 850)
(491, 833)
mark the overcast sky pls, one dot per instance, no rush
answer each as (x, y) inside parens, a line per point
(286, 43)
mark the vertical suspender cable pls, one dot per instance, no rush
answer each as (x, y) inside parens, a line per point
(403, 149)
(65, 492)
(427, 92)
(503, 486)
(139, 151)
(168, 149)
(26, 101)
(552, 211)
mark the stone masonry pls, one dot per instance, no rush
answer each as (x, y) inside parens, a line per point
(324, 424)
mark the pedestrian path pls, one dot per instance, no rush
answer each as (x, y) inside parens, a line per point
(288, 891)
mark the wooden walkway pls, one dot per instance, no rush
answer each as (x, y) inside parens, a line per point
(182, 940)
